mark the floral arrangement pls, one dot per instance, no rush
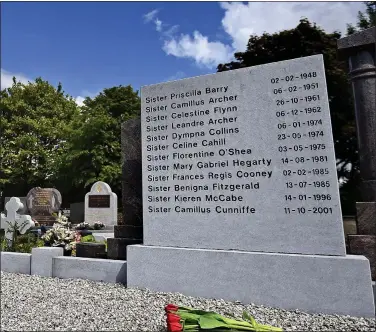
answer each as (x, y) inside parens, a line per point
(61, 234)
(86, 226)
(188, 319)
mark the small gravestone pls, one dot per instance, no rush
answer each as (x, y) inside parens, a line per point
(42, 203)
(101, 205)
(13, 220)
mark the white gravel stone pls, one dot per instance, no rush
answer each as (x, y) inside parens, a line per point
(33, 303)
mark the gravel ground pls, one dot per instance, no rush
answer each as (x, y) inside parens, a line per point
(31, 303)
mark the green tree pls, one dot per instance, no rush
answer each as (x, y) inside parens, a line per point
(94, 152)
(35, 118)
(305, 40)
(365, 20)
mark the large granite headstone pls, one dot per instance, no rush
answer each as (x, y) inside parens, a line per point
(360, 51)
(129, 231)
(101, 204)
(240, 192)
(42, 203)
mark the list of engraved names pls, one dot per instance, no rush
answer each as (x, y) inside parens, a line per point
(258, 143)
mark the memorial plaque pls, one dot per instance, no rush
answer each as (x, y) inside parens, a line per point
(242, 160)
(99, 201)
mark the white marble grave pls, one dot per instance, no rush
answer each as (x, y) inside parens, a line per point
(101, 205)
(12, 218)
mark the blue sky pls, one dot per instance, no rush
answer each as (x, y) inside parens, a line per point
(89, 46)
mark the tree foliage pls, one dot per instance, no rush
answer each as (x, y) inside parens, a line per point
(94, 143)
(35, 118)
(305, 40)
(365, 20)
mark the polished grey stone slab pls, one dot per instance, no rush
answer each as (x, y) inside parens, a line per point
(311, 283)
(242, 160)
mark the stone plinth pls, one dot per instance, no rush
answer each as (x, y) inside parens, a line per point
(311, 283)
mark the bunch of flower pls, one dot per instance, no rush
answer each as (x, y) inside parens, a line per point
(188, 319)
(82, 226)
(98, 225)
(60, 235)
(86, 226)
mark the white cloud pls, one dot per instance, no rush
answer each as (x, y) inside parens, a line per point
(199, 48)
(240, 20)
(177, 76)
(80, 100)
(6, 80)
(151, 15)
(158, 25)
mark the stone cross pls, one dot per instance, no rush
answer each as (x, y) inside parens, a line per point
(13, 219)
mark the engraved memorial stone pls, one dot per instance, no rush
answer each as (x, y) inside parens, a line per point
(240, 192)
(43, 201)
(250, 151)
(101, 205)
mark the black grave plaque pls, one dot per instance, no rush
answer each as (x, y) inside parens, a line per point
(99, 201)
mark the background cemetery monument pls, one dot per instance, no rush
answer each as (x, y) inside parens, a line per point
(42, 203)
(101, 205)
(240, 192)
(13, 220)
(360, 52)
(129, 231)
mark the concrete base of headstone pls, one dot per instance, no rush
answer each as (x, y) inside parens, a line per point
(117, 248)
(364, 245)
(41, 260)
(311, 283)
(95, 269)
(15, 262)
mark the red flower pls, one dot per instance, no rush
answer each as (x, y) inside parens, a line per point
(173, 323)
(171, 308)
